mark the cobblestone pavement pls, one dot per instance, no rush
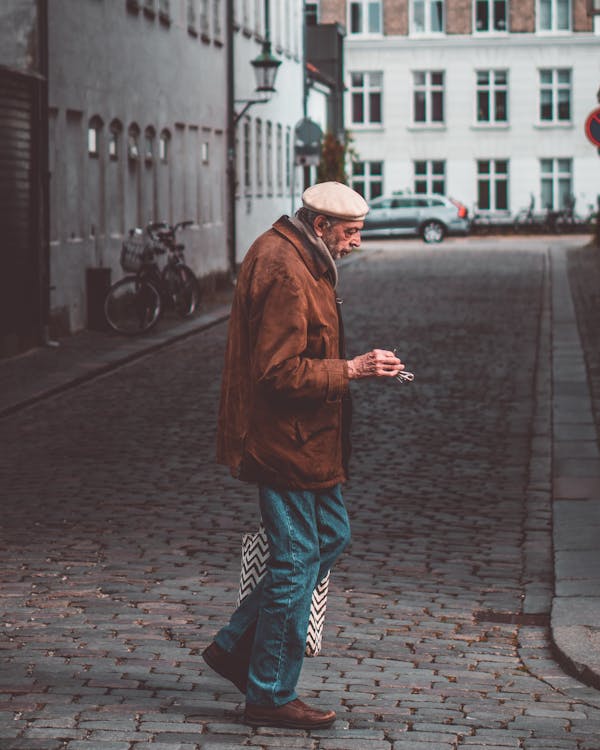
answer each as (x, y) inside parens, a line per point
(119, 549)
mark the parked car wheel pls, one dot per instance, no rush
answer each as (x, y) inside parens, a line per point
(432, 231)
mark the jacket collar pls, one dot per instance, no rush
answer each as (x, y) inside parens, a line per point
(315, 263)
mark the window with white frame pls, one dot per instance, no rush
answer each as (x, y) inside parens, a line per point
(492, 96)
(366, 90)
(247, 156)
(204, 19)
(427, 16)
(555, 95)
(288, 157)
(269, 139)
(258, 150)
(430, 176)
(492, 184)
(364, 16)
(491, 15)
(192, 21)
(428, 96)
(556, 183)
(217, 28)
(367, 178)
(279, 158)
(554, 15)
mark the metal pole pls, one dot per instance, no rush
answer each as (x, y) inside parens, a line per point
(598, 222)
(231, 156)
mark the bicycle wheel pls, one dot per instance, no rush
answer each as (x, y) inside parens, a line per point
(132, 306)
(183, 289)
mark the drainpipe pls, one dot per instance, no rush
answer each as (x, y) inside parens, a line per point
(43, 238)
(231, 172)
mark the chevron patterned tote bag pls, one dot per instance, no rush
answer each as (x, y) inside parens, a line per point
(255, 553)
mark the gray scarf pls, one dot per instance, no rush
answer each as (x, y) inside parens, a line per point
(317, 245)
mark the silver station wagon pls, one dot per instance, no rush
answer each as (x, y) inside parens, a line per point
(431, 217)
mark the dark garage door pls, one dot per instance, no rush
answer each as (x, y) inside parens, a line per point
(20, 211)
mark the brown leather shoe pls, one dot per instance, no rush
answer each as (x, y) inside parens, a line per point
(292, 715)
(229, 666)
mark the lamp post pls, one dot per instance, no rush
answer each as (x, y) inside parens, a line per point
(265, 70)
(265, 67)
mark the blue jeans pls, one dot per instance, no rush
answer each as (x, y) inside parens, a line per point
(307, 532)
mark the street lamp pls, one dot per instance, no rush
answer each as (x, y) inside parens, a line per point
(265, 67)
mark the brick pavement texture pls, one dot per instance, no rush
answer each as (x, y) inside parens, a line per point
(120, 538)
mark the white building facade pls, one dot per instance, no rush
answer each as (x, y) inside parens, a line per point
(267, 181)
(483, 100)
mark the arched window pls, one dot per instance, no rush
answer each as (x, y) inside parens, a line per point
(164, 146)
(133, 142)
(94, 135)
(114, 139)
(149, 138)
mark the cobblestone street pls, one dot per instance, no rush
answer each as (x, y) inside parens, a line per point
(120, 536)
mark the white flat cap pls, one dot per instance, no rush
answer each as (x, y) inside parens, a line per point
(335, 199)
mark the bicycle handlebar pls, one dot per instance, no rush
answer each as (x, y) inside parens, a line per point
(170, 230)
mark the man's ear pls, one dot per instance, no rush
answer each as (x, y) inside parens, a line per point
(320, 224)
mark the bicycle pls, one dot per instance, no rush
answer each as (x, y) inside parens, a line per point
(135, 303)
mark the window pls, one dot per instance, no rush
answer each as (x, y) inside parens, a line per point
(217, 18)
(428, 101)
(367, 178)
(247, 156)
(555, 95)
(164, 144)
(288, 157)
(204, 152)
(365, 17)
(149, 8)
(556, 183)
(259, 158)
(427, 16)
(192, 20)
(114, 140)
(492, 96)
(366, 93)
(554, 15)
(279, 156)
(311, 14)
(164, 11)
(492, 185)
(94, 135)
(133, 148)
(204, 20)
(149, 136)
(491, 15)
(430, 176)
(269, 138)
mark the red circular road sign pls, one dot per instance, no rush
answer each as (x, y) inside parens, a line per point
(592, 126)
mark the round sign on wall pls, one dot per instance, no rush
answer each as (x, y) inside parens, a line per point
(592, 127)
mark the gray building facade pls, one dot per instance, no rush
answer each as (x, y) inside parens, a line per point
(137, 119)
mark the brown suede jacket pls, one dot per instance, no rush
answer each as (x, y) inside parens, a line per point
(285, 403)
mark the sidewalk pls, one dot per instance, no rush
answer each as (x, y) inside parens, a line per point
(45, 371)
(575, 616)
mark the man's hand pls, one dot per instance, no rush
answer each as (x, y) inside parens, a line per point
(378, 363)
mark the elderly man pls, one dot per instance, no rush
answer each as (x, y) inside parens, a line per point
(284, 424)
